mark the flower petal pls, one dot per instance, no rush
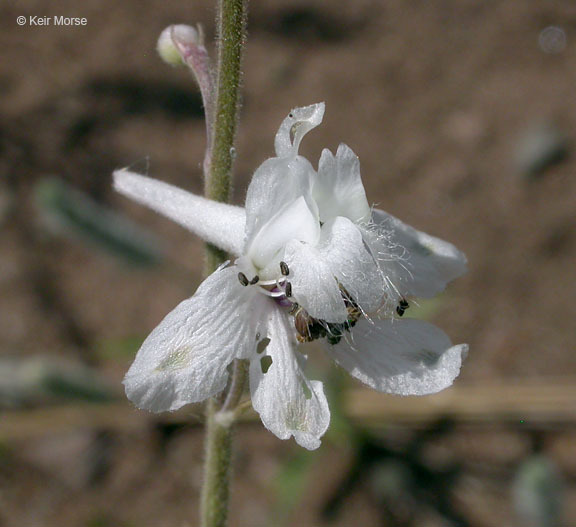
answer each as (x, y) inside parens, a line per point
(338, 190)
(298, 123)
(184, 359)
(288, 403)
(342, 249)
(404, 357)
(314, 286)
(276, 184)
(218, 223)
(294, 221)
(416, 263)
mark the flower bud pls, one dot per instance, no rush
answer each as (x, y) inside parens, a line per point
(167, 48)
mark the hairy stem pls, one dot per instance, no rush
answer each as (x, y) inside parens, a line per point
(231, 38)
(231, 21)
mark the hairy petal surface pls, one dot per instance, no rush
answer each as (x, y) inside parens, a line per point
(218, 223)
(416, 263)
(184, 359)
(314, 286)
(288, 403)
(342, 248)
(404, 357)
(338, 189)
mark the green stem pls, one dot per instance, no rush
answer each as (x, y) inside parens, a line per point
(231, 21)
(215, 492)
(231, 38)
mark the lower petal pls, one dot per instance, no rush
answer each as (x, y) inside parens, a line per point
(404, 357)
(184, 359)
(288, 403)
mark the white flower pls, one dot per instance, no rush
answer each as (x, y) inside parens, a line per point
(312, 261)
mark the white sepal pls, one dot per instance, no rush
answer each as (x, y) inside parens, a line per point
(404, 357)
(184, 359)
(288, 403)
(417, 264)
(218, 223)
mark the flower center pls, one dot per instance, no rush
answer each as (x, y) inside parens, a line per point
(307, 328)
(278, 288)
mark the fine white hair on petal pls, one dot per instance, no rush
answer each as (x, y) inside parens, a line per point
(419, 265)
(314, 286)
(343, 249)
(220, 224)
(404, 357)
(338, 189)
(184, 359)
(288, 403)
(295, 126)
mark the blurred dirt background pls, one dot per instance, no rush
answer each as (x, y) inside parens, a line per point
(463, 114)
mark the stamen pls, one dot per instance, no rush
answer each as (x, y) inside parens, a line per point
(284, 269)
(243, 280)
(288, 289)
(402, 306)
(254, 280)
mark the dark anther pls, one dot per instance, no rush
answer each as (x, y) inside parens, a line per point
(402, 306)
(294, 309)
(254, 280)
(243, 280)
(288, 290)
(284, 269)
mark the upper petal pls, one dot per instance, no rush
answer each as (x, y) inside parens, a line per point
(314, 285)
(416, 263)
(276, 184)
(342, 248)
(298, 123)
(404, 357)
(338, 189)
(294, 221)
(218, 223)
(288, 403)
(184, 359)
